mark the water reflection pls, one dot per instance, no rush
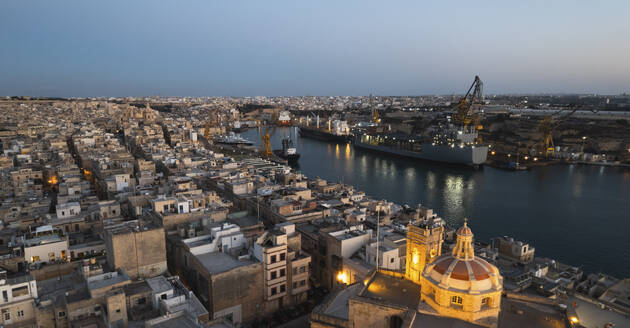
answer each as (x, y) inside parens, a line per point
(540, 206)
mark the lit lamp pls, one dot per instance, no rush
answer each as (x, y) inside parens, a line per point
(574, 320)
(415, 258)
(342, 278)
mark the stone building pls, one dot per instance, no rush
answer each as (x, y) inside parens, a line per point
(17, 303)
(137, 247)
(514, 250)
(461, 285)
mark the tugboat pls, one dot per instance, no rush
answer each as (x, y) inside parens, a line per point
(288, 152)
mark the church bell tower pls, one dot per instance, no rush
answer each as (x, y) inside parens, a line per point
(424, 244)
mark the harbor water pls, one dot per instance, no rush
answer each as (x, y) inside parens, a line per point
(576, 214)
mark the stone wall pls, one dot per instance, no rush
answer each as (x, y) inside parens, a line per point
(367, 314)
(141, 253)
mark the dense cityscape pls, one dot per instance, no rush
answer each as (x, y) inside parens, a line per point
(155, 212)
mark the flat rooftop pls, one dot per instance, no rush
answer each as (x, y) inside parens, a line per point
(394, 290)
(217, 262)
(338, 306)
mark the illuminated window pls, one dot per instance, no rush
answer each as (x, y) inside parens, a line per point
(456, 300)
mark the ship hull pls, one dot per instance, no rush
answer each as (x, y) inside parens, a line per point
(473, 156)
(321, 135)
(291, 158)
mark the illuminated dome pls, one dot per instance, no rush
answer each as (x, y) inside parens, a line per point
(461, 285)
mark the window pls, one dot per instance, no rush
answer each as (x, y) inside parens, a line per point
(163, 296)
(165, 208)
(7, 316)
(302, 269)
(35, 258)
(295, 284)
(295, 270)
(142, 300)
(391, 260)
(62, 314)
(5, 296)
(283, 288)
(302, 283)
(19, 291)
(456, 300)
(20, 313)
(282, 256)
(273, 259)
(282, 273)
(274, 291)
(273, 275)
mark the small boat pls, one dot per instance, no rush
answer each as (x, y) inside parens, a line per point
(288, 152)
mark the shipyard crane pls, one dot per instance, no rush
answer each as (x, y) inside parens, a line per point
(206, 131)
(375, 116)
(265, 138)
(467, 109)
(546, 126)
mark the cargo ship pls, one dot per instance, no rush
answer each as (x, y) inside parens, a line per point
(288, 152)
(337, 131)
(449, 145)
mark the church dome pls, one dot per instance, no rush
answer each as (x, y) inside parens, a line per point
(474, 275)
(461, 270)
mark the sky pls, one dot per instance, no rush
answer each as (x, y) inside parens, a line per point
(80, 48)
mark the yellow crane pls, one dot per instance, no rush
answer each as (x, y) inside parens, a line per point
(546, 127)
(375, 116)
(265, 138)
(468, 107)
(206, 131)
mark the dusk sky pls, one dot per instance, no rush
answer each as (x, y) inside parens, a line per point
(292, 48)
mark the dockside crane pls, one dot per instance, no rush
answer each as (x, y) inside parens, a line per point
(547, 126)
(265, 138)
(468, 107)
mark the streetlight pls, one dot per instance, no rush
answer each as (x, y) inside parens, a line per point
(583, 141)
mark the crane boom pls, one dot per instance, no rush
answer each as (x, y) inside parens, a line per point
(468, 106)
